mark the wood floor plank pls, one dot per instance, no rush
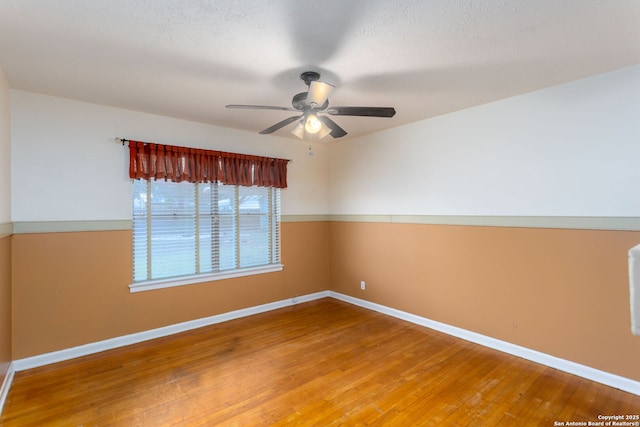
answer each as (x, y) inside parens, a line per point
(320, 363)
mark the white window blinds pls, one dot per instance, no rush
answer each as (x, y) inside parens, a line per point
(185, 229)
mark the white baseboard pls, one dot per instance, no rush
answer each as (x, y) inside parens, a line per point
(96, 347)
(6, 385)
(587, 372)
(583, 371)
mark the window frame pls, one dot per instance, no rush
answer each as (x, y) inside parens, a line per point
(275, 265)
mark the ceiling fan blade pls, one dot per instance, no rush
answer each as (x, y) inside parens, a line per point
(362, 111)
(259, 107)
(336, 131)
(279, 125)
(318, 93)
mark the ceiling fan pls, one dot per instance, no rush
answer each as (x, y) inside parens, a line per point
(310, 104)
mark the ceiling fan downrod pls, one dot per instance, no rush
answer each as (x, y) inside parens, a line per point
(310, 76)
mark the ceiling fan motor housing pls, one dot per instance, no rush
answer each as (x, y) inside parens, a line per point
(300, 103)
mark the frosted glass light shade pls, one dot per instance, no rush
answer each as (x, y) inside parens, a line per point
(319, 92)
(299, 131)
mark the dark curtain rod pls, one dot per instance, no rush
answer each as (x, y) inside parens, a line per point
(123, 140)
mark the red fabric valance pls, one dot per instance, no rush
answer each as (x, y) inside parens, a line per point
(154, 161)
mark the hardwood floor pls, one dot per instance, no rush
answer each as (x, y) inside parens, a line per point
(320, 363)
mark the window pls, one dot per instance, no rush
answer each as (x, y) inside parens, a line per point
(192, 232)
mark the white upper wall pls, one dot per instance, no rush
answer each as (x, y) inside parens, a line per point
(5, 149)
(570, 150)
(68, 167)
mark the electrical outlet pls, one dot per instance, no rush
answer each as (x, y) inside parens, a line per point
(362, 285)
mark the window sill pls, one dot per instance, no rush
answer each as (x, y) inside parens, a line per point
(150, 285)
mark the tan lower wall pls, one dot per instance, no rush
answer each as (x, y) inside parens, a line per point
(71, 288)
(562, 292)
(5, 306)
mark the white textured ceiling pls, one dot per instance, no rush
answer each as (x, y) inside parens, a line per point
(190, 58)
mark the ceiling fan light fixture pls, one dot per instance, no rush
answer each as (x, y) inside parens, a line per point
(301, 132)
(312, 124)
